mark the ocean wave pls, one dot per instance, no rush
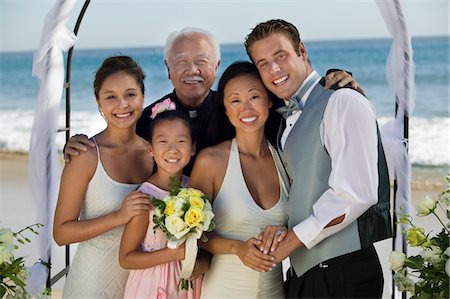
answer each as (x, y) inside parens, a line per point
(428, 137)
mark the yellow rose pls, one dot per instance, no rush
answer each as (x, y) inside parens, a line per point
(169, 208)
(195, 192)
(197, 201)
(193, 217)
(416, 236)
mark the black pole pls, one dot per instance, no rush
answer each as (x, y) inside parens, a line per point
(67, 85)
(53, 280)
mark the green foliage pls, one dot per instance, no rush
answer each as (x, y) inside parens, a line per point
(13, 272)
(429, 271)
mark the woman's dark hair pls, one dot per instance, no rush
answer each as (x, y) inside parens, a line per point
(169, 115)
(221, 128)
(115, 64)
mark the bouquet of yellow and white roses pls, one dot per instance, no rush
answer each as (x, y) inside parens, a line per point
(184, 214)
(427, 274)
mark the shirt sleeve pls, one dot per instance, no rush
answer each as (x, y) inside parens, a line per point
(349, 134)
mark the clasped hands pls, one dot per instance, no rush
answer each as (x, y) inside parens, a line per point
(267, 250)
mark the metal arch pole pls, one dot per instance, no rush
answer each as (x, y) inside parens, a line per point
(53, 280)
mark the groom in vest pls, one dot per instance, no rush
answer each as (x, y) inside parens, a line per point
(339, 197)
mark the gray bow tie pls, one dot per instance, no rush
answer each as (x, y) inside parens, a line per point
(287, 111)
(296, 103)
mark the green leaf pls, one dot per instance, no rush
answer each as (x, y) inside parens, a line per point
(414, 262)
(158, 204)
(2, 291)
(174, 186)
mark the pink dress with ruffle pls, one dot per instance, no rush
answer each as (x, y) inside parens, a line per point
(160, 282)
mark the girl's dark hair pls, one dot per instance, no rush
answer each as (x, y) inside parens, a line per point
(169, 115)
(115, 64)
(221, 128)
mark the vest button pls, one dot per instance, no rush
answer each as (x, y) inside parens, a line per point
(291, 180)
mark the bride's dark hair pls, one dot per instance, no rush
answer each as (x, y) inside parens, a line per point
(220, 128)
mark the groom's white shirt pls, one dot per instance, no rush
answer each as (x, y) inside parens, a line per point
(348, 121)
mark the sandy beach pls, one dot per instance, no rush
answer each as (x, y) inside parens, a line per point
(17, 209)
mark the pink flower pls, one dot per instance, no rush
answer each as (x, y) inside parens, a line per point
(167, 104)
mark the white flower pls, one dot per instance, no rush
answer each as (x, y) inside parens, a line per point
(6, 238)
(176, 226)
(433, 256)
(207, 218)
(178, 206)
(445, 198)
(403, 282)
(397, 260)
(5, 255)
(426, 206)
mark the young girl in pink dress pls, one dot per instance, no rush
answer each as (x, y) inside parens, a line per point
(156, 268)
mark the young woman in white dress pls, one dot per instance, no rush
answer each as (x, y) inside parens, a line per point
(96, 196)
(245, 180)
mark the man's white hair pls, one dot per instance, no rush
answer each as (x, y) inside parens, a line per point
(190, 31)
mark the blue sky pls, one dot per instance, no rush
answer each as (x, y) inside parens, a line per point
(143, 23)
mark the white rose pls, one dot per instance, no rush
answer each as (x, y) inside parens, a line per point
(178, 206)
(176, 226)
(447, 267)
(397, 260)
(207, 206)
(6, 238)
(426, 206)
(207, 218)
(5, 254)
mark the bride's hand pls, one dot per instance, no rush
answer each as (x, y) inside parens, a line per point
(250, 255)
(270, 237)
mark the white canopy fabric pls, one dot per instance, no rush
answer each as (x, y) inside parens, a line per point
(44, 165)
(400, 77)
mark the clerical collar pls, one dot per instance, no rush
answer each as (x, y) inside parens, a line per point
(193, 113)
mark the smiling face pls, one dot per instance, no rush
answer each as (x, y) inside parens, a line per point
(120, 99)
(192, 67)
(171, 146)
(281, 68)
(246, 103)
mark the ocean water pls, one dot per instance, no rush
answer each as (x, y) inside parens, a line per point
(429, 125)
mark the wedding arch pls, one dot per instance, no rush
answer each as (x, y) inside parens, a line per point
(48, 67)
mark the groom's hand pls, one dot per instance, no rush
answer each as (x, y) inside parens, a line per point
(287, 246)
(270, 237)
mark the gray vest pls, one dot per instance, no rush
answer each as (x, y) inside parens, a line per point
(309, 166)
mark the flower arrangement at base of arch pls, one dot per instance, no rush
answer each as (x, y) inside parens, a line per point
(427, 274)
(13, 272)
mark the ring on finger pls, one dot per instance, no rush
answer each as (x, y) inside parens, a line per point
(278, 232)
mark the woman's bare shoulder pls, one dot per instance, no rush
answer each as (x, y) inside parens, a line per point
(215, 153)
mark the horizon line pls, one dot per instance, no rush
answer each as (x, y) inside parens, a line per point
(136, 47)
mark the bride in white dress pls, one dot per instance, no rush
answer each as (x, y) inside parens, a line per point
(248, 187)
(91, 207)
